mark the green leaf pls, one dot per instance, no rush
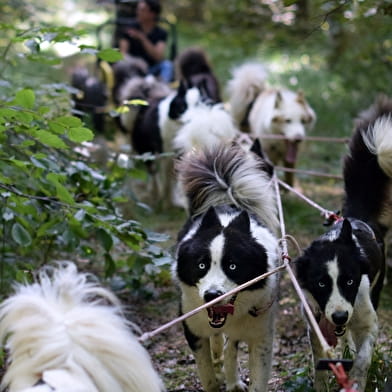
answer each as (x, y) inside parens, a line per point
(25, 98)
(49, 139)
(105, 238)
(61, 192)
(69, 121)
(110, 265)
(80, 134)
(110, 55)
(20, 235)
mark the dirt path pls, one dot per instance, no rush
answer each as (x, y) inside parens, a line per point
(292, 360)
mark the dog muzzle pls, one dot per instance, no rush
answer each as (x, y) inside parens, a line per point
(217, 314)
(331, 331)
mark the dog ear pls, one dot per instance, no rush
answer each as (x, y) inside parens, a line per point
(258, 150)
(182, 88)
(301, 97)
(210, 220)
(346, 231)
(241, 223)
(278, 99)
(301, 265)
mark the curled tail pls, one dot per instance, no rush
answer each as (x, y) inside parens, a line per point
(66, 329)
(379, 142)
(228, 175)
(247, 82)
(368, 167)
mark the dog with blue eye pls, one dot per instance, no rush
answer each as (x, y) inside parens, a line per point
(342, 271)
(229, 239)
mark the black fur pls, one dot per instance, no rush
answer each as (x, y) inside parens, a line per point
(195, 69)
(91, 99)
(353, 249)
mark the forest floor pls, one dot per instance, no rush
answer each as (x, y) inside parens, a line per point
(291, 367)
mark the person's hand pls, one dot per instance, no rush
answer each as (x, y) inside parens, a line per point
(136, 34)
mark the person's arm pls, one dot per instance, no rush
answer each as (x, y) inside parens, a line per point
(123, 46)
(155, 51)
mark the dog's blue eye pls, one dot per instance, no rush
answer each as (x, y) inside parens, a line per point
(202, 266)
(321, 284)
(232, 266)
(350, 282)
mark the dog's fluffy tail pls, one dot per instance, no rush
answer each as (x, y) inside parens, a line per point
(368, 167)
(204, 126)
(65, 329)
(247, 82)
(228, 175)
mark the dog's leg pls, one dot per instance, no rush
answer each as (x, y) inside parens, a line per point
(233, 381)
(320, 376)
(260, 359)
(260, 352)
(364, 333)
(167, 174)
(205, 366)
(216, 342)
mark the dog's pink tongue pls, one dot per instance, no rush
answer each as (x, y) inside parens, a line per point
(291, 152)
(224, 309)
(328, 330)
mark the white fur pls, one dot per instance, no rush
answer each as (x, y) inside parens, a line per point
(249, 188)
(204, 126)
(258, 331)
(269, 110)
(336, 301)
(360, 336)
(70, 333)
(379, 141)
(164, 185)
(248, 81)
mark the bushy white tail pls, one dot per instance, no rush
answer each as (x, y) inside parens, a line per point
(228, 175)
(204, 126)
(68, 332)
(378, 140)
(247, 82)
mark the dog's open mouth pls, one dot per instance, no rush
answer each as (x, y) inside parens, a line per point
(340, 330)
(217, 315)
(331, 331)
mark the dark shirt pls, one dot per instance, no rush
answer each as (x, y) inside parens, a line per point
(136, 48)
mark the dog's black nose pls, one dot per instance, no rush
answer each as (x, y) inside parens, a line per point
(212, 294)
(340, 317)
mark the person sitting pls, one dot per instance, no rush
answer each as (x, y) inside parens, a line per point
(144, 38)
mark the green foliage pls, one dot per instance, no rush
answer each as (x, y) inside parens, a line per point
(54, 203)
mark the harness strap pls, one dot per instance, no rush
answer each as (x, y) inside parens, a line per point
(254, 312)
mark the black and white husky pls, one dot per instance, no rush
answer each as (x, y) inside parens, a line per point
(66, 333)
(228, 240)
(342, 272)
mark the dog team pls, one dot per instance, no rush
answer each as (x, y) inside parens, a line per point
(66, 333)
